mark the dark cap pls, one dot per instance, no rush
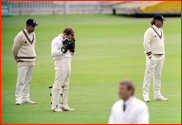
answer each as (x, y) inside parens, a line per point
(159, 17)
(31, 22)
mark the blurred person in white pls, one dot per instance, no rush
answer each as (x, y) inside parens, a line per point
(154, 49)
(129, 109)
(25, 56)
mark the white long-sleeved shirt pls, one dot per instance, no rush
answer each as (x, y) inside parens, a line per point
(24, 48)
(154, 40)
(136, 112)
(56, 48)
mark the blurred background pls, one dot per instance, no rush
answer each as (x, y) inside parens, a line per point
(138, 8)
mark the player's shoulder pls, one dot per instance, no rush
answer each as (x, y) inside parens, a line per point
(119, 102)
(140, 103)
(20, 33)
(56, 39)
(149, 29)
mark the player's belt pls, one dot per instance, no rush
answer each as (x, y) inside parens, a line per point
(26, 57)
(158, 54)
(19, 61)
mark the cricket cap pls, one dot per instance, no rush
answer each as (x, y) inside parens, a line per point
(159, 17)
(31, 22)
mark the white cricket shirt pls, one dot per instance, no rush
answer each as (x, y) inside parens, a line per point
(154, 40)
(136, 112)
(56, 48)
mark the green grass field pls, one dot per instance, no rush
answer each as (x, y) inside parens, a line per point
(108, 49)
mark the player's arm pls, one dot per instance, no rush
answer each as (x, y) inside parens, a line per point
(147, 41)
(16, 46)
(111, 117)
(55, 51)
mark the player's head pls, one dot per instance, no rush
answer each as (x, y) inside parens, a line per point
(30, 25)
(157, 20)
(68, 33)
(126, 89)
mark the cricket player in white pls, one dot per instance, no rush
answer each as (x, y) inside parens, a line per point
(62, 48)
(154, 49)
(25, 56)
(128, 110)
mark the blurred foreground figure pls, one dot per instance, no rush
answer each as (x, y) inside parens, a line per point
(128, 110)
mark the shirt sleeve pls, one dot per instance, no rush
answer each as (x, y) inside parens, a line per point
(147, 40)
(111, 117)
(143, 115)
(55, 50)
(16, 45)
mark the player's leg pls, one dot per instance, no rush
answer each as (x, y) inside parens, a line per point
(157, 79)
(150, 64)
(64, 100)
(26, 88)
(58, 83)
(20, 83)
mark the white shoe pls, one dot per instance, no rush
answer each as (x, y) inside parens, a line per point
(18, 103)
(65, 109)
(57, 110)
(68, 109)
(160, 98)
(28, 102)
(147, 100)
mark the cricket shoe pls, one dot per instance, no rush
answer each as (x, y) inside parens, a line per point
(147, 100)
(57, 110)
(68, 109)
(18, 103)
(28, 102)
(160, 98)
(65, 109)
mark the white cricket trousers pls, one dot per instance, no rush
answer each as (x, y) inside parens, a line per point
(23, 82)
(153, 67)
(62, 76)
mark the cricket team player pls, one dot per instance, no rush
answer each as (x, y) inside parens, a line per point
(62, 48)
(25, 56)
(129, 109)
(154, 49)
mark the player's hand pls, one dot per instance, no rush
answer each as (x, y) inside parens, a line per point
(72, 45)
(65, 42)
(65, 46)
(149, 54)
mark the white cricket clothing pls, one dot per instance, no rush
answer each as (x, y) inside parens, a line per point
(154, 40)
(136, 112)
(62, 72)
(24, 48)
(62, 67)
(153, 67)
(23, 83)
(24, 53)
(62, 76)
(56, 46)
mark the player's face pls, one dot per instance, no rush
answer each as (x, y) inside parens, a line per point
(159, 23)
(68, 36)
(30, 29)
(124, 93)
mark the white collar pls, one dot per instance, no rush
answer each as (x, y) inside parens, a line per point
(27, 32)
(156, 28)
(128, 100)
